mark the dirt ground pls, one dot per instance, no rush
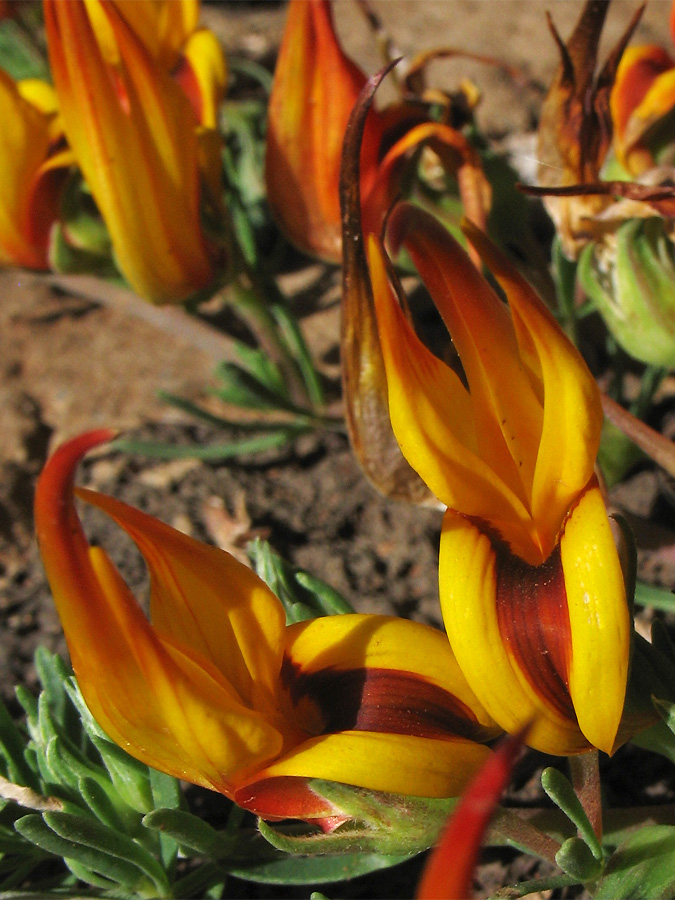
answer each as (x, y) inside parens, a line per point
(69, 363)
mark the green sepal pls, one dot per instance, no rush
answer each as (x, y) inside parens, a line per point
(381, 823)
(275, 867)
(632, 284)
(560, 790)
(575, 859)
(641, 868)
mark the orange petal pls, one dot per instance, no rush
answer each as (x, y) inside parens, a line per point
(133, 133)
(194, 587)
(434, 419)
(165, 704)
(315, 88)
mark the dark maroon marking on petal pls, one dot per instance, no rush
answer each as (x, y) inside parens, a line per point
(535, 625)
(384, 700)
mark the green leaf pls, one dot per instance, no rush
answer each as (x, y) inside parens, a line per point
(575, 859)
(562, 793)
(258, 363)
(326, 598)
(99, 802)
(295, 341)
(95, 836)
(242, 388)
(189, 831)
(206, 416)
(18, 54)
(280, 437)
(166, 794)
(642, 867)
(12, 746)
(30, 706)
(298, 870)
(74, 845)
(53, 674)
(130, 777)
(68, 765)
(658, 597)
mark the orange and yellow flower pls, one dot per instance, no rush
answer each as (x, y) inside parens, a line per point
(642, 102)
(531, 586)
(33, 163)
(217, 690)
(134, 134)
(316, 87)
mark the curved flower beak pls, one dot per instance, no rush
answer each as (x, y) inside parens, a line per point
(31, 172)
(316, 86)
(531, 585)
(133, 133)
(217, 690)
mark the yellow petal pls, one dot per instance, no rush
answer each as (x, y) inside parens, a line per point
(468, 592)
(204, 58)
(133, 133)
(28, 200)
(572, 412)
(205, 600)
(599, 620)
(507, 414)
(400, 763)
(168, 707)
(433, 416)
(163, 26)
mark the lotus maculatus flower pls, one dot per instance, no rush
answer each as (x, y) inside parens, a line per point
(217, 690)
(642, 103)
(136, 134)
(32, 161)
(316, 86)
(575, 129)
(531, 585)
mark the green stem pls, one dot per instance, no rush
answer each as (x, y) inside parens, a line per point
(657, 597)
(536, 886)
(509, 828)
